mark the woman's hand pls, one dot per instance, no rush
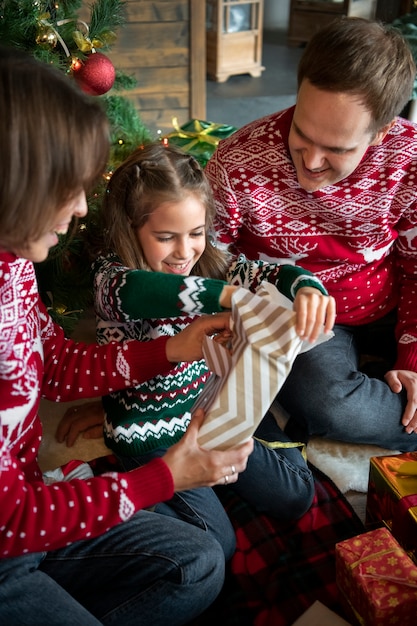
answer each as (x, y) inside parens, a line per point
(188, 344)
(405, 379)
(315, 313)
(192, 466)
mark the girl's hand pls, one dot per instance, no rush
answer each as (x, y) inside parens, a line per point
(315, 312)
(225, 299)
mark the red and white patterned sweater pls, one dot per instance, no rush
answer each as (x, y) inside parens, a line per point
(36, 360)
(358, 236)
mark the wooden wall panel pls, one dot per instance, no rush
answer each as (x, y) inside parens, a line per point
(163, 46)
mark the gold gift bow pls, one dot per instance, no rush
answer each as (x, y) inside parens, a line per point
(200, 135)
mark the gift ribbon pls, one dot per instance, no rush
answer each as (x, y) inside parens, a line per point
(274, 445)
(375, 555)
(200, 135)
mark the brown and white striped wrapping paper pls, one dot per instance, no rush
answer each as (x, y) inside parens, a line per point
(246, 379)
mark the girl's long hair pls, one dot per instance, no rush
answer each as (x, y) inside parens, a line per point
(150, 176)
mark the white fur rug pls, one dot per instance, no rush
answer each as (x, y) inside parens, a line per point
(347, 464)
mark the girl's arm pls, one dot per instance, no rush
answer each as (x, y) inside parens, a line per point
(315, 310)
(288, 279)
(124, 295)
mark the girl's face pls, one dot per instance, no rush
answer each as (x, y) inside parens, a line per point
(37, 250)
(174, 237)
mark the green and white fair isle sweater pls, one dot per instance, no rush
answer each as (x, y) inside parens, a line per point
(143, 305)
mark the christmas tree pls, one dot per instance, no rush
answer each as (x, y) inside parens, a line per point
(54, 33)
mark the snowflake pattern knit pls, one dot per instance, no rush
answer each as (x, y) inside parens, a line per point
(37, 360)
(359, 236)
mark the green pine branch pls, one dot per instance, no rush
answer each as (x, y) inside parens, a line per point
(64, 278)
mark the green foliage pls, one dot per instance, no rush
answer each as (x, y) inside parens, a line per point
(104, 15)
(53, 33)
(407, 25)
(127, 131)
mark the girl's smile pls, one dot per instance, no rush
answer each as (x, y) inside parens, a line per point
(174, 236)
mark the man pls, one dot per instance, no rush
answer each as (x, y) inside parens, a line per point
(332, 184)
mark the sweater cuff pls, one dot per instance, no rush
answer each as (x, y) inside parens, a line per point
(151, 357)
(151, 483)
(307, 281)
(406, 356)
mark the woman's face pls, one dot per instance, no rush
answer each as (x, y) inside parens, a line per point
(174, 236)
(37, 250)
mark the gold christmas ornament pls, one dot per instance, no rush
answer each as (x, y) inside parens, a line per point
(46, 36)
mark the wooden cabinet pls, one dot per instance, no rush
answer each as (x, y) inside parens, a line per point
(163, 45)
(234, 38)
(308, 16)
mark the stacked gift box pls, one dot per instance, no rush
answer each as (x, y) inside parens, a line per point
(198, 137)
(376, 572)
(377, 580)
(392, 497)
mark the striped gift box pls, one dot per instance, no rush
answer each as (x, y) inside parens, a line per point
(246, 378)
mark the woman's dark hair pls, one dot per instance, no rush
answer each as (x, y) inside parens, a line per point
(54, 143)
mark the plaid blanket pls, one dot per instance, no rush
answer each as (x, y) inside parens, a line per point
(279, 569)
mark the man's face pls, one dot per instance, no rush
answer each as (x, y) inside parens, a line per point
(329, 136)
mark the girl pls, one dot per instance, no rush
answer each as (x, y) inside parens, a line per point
(78, 551)
(157, 270)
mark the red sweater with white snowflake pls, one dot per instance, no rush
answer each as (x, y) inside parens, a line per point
(359, 236)
(36, 360)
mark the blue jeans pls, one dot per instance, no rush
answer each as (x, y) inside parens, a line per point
(151, 569)
(327, 394)
(199, 507)
(277, 481)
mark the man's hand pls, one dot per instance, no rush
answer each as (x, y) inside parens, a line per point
(397, 380)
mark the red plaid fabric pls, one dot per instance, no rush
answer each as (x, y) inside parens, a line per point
(278, 569)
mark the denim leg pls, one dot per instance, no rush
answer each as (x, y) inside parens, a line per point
(276, 481)
(200, 507)
(29, 597)
(152, 569)
(327, 394)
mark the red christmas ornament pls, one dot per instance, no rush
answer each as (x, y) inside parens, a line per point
(96, 74)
